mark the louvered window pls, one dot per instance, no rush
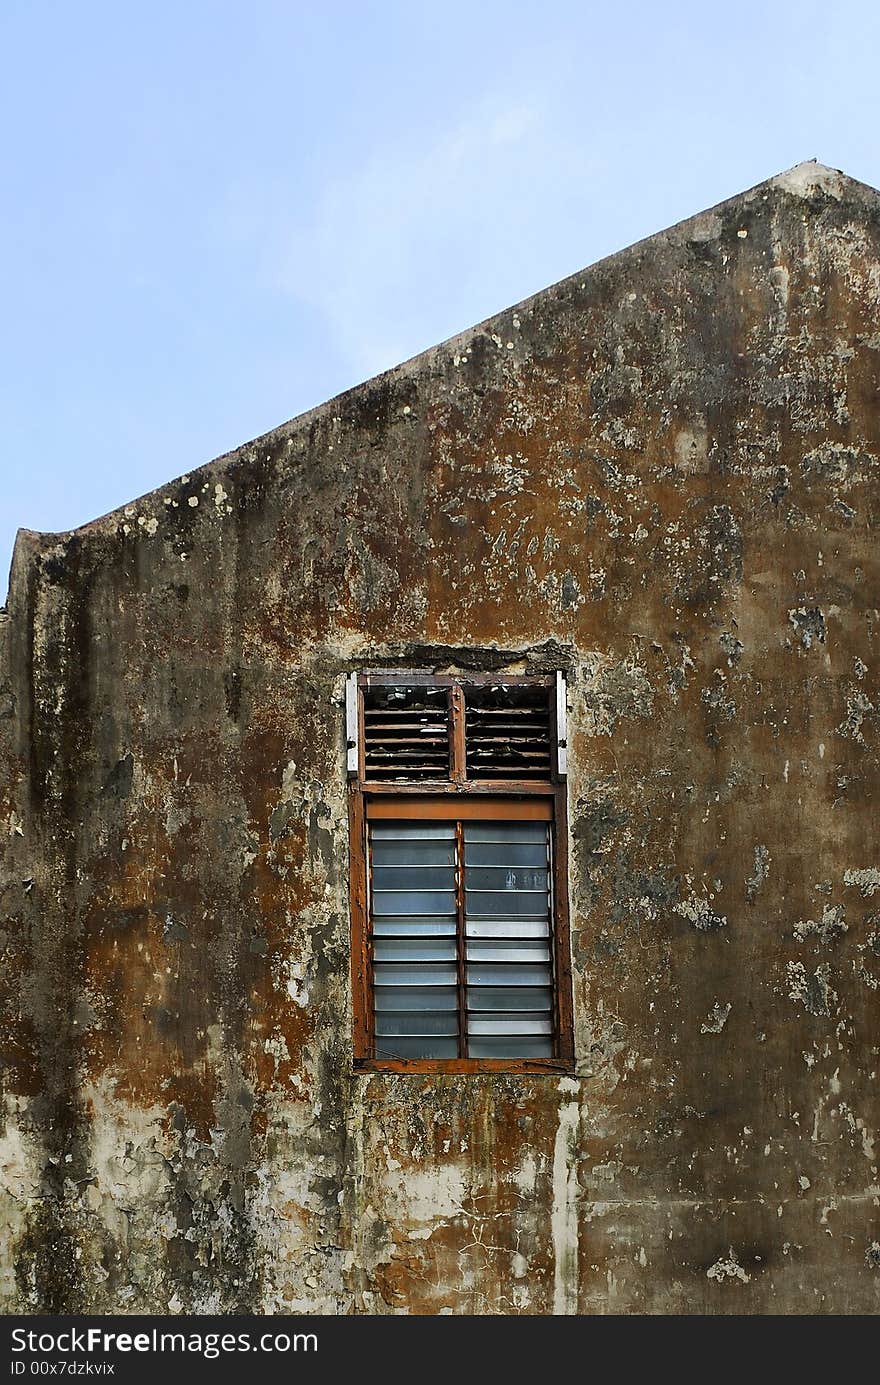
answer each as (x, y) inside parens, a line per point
(458, 871)
(461, 938)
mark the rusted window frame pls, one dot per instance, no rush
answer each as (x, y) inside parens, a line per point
(455, 797)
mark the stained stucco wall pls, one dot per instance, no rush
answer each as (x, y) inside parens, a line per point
(662, 475)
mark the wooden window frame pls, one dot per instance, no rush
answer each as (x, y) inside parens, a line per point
(453, 799)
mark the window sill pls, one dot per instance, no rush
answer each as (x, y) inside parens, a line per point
(425, 1066)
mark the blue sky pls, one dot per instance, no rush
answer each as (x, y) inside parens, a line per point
(216, 215)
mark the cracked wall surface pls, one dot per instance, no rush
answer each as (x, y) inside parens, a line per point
(662, 475)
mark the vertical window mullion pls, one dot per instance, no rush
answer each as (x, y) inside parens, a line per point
(459, 755)
(460, 939)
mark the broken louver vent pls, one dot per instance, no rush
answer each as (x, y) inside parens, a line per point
(507, 732)
(406, 733)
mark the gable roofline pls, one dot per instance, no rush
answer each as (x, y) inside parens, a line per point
(806, 180)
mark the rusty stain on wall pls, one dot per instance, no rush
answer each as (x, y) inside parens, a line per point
(661, 475)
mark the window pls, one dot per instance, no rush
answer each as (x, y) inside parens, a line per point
(458, 882)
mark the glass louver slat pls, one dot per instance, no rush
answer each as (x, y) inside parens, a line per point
(507, 974)
(507, 928)
(434, 1046)
(438, 926)
(510, 1046)
(411, 877)
(513, 902)
(414, 901)
(414, 974)
(505, 832)
(417, 998)
(481, 998)
(508, 950)
(414, 949)
(509, 854)
(413, 853)
(507, 878)
(504, 1025)
(418, 1022)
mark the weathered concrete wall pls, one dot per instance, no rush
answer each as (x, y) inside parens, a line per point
(664, 475)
